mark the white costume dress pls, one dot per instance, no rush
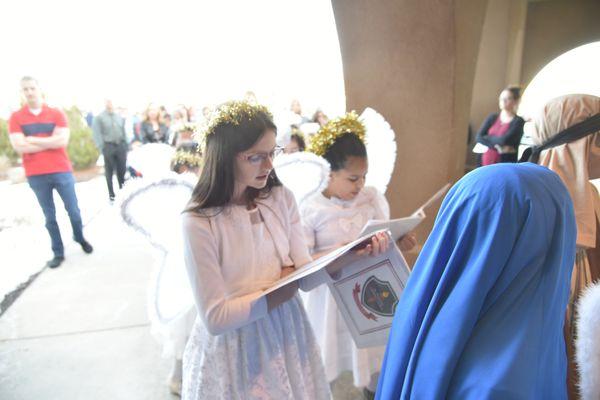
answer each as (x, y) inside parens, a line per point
(171, 308)
(330, 223)
(238, 349)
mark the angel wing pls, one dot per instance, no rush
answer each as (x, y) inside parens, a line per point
(381, 149)
(153, 208)
(303, 173)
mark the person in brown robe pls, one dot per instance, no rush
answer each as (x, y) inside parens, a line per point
(577, 163)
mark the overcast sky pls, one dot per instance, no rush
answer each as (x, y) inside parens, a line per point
(170, 52)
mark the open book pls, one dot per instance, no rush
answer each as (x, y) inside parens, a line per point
(317, 265)
(401, 226)
(366, 289)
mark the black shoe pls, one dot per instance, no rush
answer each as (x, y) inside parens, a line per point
(55, 262)
(86, 247)
(368, 395)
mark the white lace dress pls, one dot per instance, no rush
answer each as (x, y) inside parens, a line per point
(237, 349)
(330, 223)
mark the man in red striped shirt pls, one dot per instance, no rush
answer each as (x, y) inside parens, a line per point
(40, 134)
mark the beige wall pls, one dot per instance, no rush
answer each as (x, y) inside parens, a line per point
(554, 27)
(414, 62)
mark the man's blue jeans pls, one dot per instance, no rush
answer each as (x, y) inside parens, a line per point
(64, 183)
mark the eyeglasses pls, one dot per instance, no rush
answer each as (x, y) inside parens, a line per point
(259, 158)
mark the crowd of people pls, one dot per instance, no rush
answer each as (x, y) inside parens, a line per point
(488, 310)
(116, 133)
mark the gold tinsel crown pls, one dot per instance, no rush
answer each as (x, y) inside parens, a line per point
(232, 113)
(188, 127)
(335, 128)
(191, 159)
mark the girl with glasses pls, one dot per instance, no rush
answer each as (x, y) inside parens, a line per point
(242, 232)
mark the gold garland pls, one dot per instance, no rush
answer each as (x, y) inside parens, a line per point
(188, 127)
(327, 134)
(233, 113)
(192, 159)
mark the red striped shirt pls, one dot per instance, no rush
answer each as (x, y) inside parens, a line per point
(46, 161)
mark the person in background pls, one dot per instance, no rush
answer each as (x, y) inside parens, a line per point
(206, 112)
(111, 140)
(296, 110)
(167, 120)
(152, 129)
(577, 161)
(180, 121)
(187, 159)
(89, 118)
(296, 143)
(40, 134)
(320, 118)
(502, 132)
(191, 113)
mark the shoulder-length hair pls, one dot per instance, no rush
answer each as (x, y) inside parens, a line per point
(217, 180)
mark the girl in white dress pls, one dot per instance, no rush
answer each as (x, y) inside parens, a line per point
(242, 232)
(331, 219)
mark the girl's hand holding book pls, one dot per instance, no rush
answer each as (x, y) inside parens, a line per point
(379, 244)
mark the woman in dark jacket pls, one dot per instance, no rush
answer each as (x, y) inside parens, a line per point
(152, 129)
(502, 132)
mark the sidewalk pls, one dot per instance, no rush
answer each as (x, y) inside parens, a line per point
(81, 331)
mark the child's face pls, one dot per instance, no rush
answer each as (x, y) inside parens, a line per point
(347, 182)
(253, 166)
(291, 147)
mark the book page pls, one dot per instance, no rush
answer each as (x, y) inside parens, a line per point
(398, 227)
(401, 226)
(480, 148)
(318, 264)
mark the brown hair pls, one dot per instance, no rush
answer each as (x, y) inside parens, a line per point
(515, 91)
(159, 116)
(217, 179)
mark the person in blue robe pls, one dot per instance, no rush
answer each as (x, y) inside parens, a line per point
(483, 312)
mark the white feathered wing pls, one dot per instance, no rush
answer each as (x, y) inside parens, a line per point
(303, 173)
(381, 149)
(153, 208)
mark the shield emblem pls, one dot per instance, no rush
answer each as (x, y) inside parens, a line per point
(379, 297)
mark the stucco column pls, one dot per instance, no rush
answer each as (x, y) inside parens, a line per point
(414, 62)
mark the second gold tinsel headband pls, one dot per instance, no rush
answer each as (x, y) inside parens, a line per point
(191, 159)
(335, 128)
